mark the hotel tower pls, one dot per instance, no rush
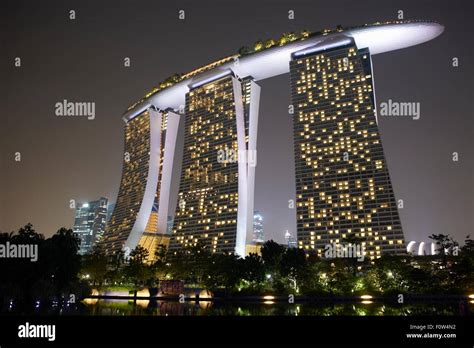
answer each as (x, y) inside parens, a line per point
(343, 189)
(215, 198)
(143, 203)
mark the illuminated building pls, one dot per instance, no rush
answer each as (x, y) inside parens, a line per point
(290, 240)
(258, 236)
(343, 187)
(342, 181)
(142, 207)
(215, 201)
(419, 248)
(253, 248)
(152, 237)
(89, 223)
(110, 209)
(169, 225)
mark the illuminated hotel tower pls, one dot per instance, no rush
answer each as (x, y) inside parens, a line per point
(215, 202)
(141, 212)
(343, 186)
(342, 182)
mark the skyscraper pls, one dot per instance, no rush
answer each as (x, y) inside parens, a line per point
(89, 223)
(141, 210)
(290, 240)
(258, 236)
(343, 186)
(110, 209)
(215, 198)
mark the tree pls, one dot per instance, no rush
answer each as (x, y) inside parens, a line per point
(223, 271)
(189, 264)
(95, 265)
(115, 265)
(258, 45)
(468, 246)
(19, 275)
(388, 275)
(305, 33)
(27, 234)
(284, 38)
(253, 270)
(270, 43)
(461, 274)
(244, 50)
(272, 254)
(293, 267)
(161, 265)
(446, 245)
(52, 275)
(137, 270)
(315, 278)
(353, 262)
(292, 36)
(61, 258)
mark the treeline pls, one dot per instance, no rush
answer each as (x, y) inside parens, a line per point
(60, 272)
(281, 270)
(51, 276)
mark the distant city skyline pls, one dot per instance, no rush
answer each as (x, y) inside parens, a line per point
(89, 223)
(258, 228)
(436, 191)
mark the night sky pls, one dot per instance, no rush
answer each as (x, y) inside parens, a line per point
(65, 158)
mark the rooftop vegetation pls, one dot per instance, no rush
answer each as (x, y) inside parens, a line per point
(258, 46)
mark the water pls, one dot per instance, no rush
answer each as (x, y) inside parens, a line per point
(202, 308)
(125, 307)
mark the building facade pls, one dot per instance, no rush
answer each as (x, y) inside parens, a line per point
(89, 224)
(290, 241)
(343, 188)
(258, 236)
(216, 187)
(110, 209)
(142, 208)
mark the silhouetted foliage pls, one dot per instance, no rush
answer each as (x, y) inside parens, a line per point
(53, 276)
(137, 270)
(279, 270)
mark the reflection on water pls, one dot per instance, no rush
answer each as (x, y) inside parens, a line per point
(171, 308)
